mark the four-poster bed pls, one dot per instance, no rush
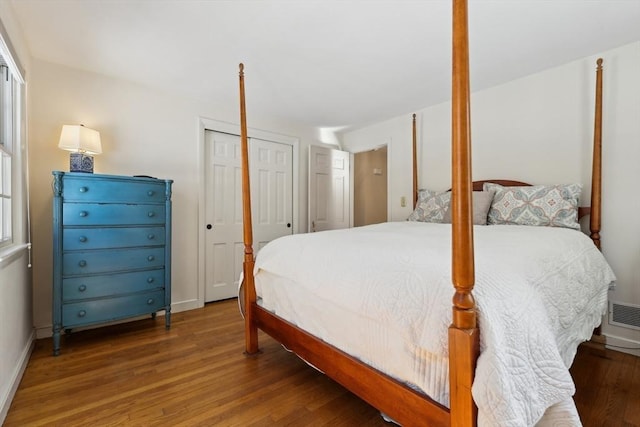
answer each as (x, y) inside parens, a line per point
(404, 400)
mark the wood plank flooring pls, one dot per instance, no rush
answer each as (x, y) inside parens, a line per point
(195, 374)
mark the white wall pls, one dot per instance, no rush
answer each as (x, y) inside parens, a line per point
(16, 330)
(16, 338)
(539, 129)
(143, 132)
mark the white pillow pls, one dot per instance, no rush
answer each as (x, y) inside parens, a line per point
(481, 204)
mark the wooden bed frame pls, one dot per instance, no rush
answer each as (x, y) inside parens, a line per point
(398, 401)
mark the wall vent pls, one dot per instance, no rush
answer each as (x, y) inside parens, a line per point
(625, 315)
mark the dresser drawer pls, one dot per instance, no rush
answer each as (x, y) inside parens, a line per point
(77, 288)
(111, 214)
(111, 260)
(111, 237)
(108, 309)
(80, 189)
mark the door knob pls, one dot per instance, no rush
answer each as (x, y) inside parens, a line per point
(209, 226)
(288, 225)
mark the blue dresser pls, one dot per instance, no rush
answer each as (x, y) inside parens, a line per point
(111, 249)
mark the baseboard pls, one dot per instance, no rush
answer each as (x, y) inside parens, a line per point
(623, 345)
(177, 307)
(43, 332)
(16, 377)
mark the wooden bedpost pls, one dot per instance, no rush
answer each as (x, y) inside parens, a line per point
(596, 173)
(250, 328)
(415, 164)
(463, 333)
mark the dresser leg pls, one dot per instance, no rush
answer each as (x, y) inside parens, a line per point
(167, 318)
(56, 340)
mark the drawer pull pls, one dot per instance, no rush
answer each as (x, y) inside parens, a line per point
(150, 193)
(83, 189)
(84, 213)
(82, 288)
(150, 301)
(151, 214)
(150, 279)
(151, 236)
(83, 239)
(82, 263)
(150, 258)
(82, 313)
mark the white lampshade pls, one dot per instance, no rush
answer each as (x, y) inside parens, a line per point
(80, 139)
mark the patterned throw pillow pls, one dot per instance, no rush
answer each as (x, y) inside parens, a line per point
(431, 206)
(544, 205)
(424, 194)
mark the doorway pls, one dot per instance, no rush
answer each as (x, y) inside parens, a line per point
(370, 187)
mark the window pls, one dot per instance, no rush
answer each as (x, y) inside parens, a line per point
(7, 137)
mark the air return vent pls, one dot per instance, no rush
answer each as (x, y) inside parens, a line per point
(625, 315)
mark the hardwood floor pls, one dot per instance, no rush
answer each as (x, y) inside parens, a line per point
(607, 387)
(195, 374)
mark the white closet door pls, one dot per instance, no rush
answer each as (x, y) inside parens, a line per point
(272, 200)
(272, 190)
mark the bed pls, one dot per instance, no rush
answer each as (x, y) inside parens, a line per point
(415, 358)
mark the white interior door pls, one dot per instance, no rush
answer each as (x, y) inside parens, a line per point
(223, 210)
(329, 189)
(271, 190)
(271, 196)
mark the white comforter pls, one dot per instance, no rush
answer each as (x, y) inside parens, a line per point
(540, 291)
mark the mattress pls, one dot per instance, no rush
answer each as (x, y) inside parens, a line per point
(540, 291)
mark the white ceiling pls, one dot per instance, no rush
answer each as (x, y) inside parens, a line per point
(325, 63)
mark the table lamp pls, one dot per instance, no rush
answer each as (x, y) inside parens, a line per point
(83, 144)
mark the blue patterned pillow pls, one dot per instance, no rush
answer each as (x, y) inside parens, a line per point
(424, 194)
(431, 206)
(542, 205)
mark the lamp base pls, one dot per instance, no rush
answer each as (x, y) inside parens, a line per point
(80, 162)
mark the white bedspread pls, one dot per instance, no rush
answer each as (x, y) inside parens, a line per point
(540, 291)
